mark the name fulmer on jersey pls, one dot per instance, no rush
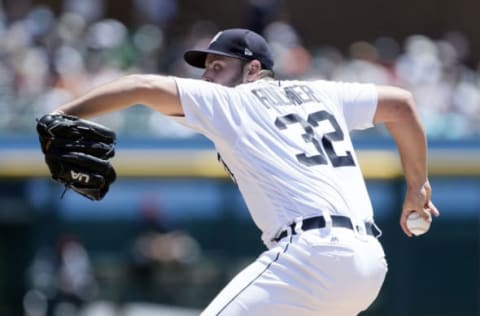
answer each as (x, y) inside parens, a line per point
(291, 95)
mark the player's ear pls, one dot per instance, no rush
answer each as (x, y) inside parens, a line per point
(254, 67)
(251, 71)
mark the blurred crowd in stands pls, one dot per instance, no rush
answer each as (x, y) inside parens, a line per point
(47, 58)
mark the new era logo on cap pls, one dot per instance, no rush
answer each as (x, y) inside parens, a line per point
(237, 43)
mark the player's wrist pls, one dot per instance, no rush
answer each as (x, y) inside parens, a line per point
(417, 184)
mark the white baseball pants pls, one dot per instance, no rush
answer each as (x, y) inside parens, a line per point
(320, 272)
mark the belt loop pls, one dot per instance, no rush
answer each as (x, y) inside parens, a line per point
(360, 228)
(328, 221)
(298, 225)
(380, 233)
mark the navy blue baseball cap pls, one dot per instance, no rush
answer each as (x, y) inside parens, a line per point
(238, 43)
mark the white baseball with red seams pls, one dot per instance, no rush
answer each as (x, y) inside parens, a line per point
(417, 225)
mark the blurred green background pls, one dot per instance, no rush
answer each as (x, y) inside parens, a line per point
(174, 229)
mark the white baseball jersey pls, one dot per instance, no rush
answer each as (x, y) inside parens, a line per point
(286, 144)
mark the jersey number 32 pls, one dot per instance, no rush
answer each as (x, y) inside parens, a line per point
(323, 145)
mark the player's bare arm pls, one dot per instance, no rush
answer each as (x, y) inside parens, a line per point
(155, 91)
(396, 109)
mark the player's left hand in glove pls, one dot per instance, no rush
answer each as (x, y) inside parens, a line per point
(77, 152)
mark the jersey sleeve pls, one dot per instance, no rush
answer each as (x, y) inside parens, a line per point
(357, 102)
(209, 108)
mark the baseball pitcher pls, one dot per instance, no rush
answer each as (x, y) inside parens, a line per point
(287, 146)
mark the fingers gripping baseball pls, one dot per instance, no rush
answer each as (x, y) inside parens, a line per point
(418, 201)
(77, 152)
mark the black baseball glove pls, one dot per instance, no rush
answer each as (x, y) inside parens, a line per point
(77, 153)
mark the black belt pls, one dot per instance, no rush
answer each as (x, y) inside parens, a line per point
(337, 221)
